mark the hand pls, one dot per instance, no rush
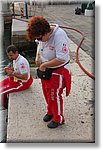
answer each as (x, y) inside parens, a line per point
(6, 69)
(42, 67)
(9, 72)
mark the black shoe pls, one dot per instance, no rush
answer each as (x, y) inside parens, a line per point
(47, 118)
(53, 124)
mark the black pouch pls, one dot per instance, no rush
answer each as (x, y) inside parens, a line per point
(45, 75)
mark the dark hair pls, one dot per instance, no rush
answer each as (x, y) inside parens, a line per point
(12, 48)
(37, 25)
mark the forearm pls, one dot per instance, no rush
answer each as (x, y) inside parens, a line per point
(53, 63)
(21, 76)
(37, 60)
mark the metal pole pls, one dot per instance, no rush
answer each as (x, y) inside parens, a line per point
(13, 5)
(26, 9)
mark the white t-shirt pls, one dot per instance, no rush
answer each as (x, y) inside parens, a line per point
(56, 47)
(21, 66)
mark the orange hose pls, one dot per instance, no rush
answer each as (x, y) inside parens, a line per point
(77, 50)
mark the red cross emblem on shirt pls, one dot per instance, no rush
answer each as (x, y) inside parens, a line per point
(64, 48)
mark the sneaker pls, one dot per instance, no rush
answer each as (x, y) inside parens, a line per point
(53, 124)
(47, 118)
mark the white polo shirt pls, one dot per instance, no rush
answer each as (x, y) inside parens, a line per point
(56, 47)
(21, 66)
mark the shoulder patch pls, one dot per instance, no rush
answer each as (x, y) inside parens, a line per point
(64, 48)
(22, 65)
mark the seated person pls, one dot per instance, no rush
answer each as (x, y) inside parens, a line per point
(19, 76)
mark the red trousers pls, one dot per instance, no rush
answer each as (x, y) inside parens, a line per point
(9, 86)
(52, 90)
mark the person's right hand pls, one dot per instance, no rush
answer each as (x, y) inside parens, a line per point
(6, 69)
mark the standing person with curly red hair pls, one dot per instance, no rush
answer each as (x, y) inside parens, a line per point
(52, 59)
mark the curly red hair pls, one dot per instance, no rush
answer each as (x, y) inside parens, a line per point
(37, 25)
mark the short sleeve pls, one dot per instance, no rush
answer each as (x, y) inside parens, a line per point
(62, 48)
(23, 67)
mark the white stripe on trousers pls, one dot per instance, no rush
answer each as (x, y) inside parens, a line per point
(12, 88)
(58, 98)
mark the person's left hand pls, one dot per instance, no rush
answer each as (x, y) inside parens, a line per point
(9, 72)
(42, 67)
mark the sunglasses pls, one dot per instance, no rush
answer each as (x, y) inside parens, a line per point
(39, 38)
